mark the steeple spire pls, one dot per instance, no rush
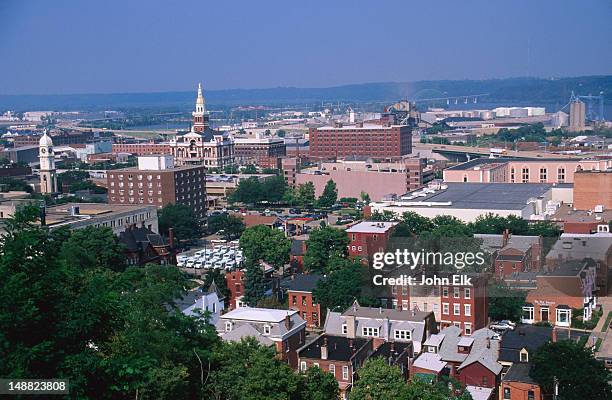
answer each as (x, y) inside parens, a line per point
(200, 117)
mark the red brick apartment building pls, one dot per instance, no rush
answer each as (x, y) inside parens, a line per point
(300, 297)
(369, 237)
(158, 182)
(235, 285)
(265, 152)
(142, 149)
(381, 142)
(465, 307)
(513, 253)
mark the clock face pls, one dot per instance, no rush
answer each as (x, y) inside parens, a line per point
(43, 151)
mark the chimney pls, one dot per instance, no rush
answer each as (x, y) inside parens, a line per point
(351, 345)
(554, 335)
(288, 321)
(350, 326)
(171, 237)
(324, 349)
(488, 342)
(506, 237)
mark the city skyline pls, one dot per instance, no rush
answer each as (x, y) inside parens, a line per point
(161, 47)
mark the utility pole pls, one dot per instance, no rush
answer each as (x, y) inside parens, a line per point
(555, 387)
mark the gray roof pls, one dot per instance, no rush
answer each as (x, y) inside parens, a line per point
(430, 361)
(519, 372)
(495, 242)
(577, 247)
(246, 330)
(484, 350)
(448, 350)
(486, 196)
(259, 317)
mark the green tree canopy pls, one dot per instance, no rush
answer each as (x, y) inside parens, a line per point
(579, 374)
(231, 225)
(341, 287)
(329, 196)
(180, 218)
(323, 244)
(378, 381)
(261, 242)
(305, 194)
(505, 303)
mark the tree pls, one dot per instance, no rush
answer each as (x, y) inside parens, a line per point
(254, 285)
(323, 244)
(319, 385)
(181, 219)
(341, 287)
(281, 133)
(305, 194)
(329, 196)
(365, 197)
(378, 381)
(93, 247)
(386, 215)
(262, 243)
(249, 371)
(415, 223)
(216, 275)
(579, 374)
(248, 191)
(505, 303)
(249, 169)
(230, 169)
(231, 225)
(274, 188)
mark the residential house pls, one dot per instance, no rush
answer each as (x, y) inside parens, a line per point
(570, 286)
(300, 297)
(513, 253)
(203, 303)
(283, 329)
(369, 237)
(143, 246)
(381, 325)
(339, 355)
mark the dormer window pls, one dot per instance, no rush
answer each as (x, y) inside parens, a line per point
(344, 329)
(524, 355)
(266, 329)
(228, 326)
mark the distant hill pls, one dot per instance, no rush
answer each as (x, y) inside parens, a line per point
(511, 91)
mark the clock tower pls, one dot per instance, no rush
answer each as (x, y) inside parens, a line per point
(48, 177)
(200, 116)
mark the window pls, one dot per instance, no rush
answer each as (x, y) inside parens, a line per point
(393, 289)
(512, 175)
(561, 174)
(404, 290)
(563, 317)
(315, 365)
(303, 366)
(456, 309)
(485, 381)
(266, 329)
(467, 293)
(467, 310)
(332, 369)
(456, 292)
(445, 291)
(530, 395)
(524, 355)
(445, 308)
(525, 175)
(345, 372)
(402, 334)
(344, 329)
(527, 314)
(506, 393)
(544, 314)
(468, 329)
(543, 174)
(228, 326)
(369, 331)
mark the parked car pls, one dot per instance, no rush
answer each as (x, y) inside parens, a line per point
(502, 326)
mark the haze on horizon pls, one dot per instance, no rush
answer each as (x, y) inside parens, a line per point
(69, 46)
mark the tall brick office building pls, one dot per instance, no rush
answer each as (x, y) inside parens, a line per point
(380, 142)
(158, 182)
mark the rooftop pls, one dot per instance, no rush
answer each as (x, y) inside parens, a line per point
(484, 196)
(430, 362)
(89, 213)
(371, 227)
(258, 314)
(301, 282)
(519, 372)
(338, 347)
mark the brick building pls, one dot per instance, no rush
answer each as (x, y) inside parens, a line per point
(369, 237)
(465, 307)
(505, 170)
(513, 253)
(284, 330)
(593, 189)
(300, 297)
(264, 152)
(59, 139)
(378, 180)
(571, 285)
(380, 142)
(235, 284)
(158, 182)
(142, 149)
(339, 355)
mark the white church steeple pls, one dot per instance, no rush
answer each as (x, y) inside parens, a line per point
(48, 177)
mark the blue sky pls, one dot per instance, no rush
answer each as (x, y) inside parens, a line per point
(62, 46)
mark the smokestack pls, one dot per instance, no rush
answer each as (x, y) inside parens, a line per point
(324, 349)
(506, 237)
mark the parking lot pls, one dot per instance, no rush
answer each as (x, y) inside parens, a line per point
(226, 256)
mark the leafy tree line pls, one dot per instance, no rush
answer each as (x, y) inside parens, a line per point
(70, 308)
(275, 189)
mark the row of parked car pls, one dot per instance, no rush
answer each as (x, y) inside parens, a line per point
(218, 257)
